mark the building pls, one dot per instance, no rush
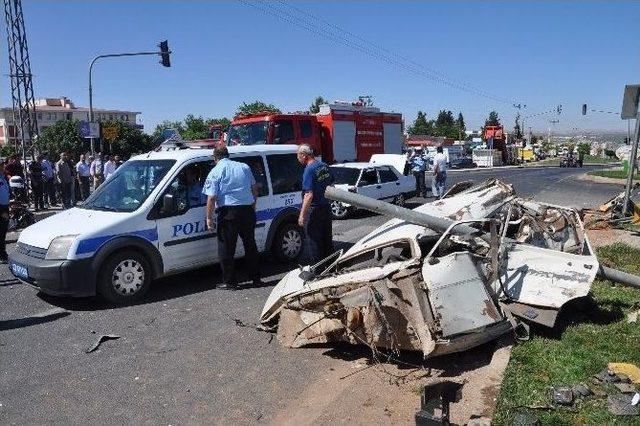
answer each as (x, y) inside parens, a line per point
(51, 110)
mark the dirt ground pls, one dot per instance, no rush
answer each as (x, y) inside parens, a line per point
(603, 237)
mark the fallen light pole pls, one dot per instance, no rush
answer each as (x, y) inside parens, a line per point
(440, 224)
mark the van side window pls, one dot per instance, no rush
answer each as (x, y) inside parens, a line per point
(256, 164)
(286, 173)
(305, 129)
(187, 187)
(387, 175)
(283, 131)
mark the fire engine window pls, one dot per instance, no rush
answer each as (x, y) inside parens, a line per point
(305, 129)
(283, 131)
(369, 177)
(257, 167)
(286, 173)
(387, 175)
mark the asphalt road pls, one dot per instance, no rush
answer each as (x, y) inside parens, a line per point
(182, 357)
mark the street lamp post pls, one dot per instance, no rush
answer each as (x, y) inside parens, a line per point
(164, 53)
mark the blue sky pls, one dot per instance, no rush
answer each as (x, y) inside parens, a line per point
(536, 53)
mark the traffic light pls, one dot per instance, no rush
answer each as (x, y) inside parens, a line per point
(584, 109)
(164, 53)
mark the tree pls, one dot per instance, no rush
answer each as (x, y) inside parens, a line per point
(420, 125)
(584, 148)
(460, 122)
(517, 132)
(129, 140)
(62, 136)
(167, 124)
(315, 106)
(255, 108)
(224, 122)
(194, 128)
(493, 119)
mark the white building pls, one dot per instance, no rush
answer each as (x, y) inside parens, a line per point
(52, 110)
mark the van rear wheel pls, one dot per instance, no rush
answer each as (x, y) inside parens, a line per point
(288, 242)
(124, 277)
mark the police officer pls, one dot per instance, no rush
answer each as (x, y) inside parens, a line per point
(4, 213)
(232, 191)
(419, 167)
(315, 214)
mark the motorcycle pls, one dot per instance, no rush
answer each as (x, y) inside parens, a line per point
(19, 215)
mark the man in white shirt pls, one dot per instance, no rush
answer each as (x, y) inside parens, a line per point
(83, 174)
(109, 167)
(439, 173)
(97, 171)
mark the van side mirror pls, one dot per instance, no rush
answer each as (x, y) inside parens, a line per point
(169, 204)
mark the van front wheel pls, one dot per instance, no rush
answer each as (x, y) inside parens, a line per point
(288, 242)
(124, 277)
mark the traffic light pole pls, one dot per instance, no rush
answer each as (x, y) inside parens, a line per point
(111, 55)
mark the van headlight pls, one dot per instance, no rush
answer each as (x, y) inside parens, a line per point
(59, 247)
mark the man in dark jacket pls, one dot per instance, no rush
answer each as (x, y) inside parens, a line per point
(37, 182)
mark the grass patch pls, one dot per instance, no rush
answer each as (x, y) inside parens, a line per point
(587, 339)
(615, 174)
(591, 159)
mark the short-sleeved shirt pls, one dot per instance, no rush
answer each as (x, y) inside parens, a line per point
(440, 161)
(315, 178)
(4, 190)
(196, 197)
(83, 169)
(418, 164)
(230, 182)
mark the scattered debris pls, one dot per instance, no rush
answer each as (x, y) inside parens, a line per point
(629, 370)
(39, 318)
(525, 418)
(562, 396)
(435, 400)
(625, 387)
(635, 399)
(476, 420)
(514, 259)
(621, 405)
(101, 339)
(581, 390)
(633, 316)
(607, 376)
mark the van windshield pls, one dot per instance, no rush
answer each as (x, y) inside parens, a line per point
(129, 187)
(248, 134)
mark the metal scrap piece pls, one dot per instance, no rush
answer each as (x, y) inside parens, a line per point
(101, 339)
(620, 405)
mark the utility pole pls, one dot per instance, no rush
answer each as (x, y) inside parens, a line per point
(164, 53)
(630, 110)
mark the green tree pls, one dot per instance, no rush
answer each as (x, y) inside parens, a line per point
(420, 125)
(167, 124)
(224, 122)
(256, 107)
(129, 140)
(460, 122)
(517, 132)
(315, 106)
(62, 136)
(493, 119)
(584, 148)
(8, 150)
(194, 128)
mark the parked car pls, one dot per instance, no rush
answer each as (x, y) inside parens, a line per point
(379, 181)
(462, 163)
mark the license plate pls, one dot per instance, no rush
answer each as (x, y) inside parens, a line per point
(19, 271)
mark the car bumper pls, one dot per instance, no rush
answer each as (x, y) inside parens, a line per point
(55, 277)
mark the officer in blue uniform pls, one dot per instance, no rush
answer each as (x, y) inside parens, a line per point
(4, 213)
(419, 167)
(231, 190)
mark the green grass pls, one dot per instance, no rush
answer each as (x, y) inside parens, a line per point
(590, 159)
(589, 337)
(615, 174)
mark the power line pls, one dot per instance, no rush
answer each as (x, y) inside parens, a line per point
(374, 52)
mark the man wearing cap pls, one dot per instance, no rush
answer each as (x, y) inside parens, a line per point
(231, 192)
(4, 213)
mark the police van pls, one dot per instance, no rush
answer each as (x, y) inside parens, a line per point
(148, 221)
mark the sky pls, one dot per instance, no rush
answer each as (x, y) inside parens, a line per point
(469, 57)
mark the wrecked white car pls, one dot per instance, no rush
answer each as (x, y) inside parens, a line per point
(442, 278)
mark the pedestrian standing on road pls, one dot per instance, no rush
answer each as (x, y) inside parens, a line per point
(84, 177)
(97, 171)
(109, 167)
(118, 161)
(64, 178)
(36, 179)
(439, 173)
(49, 182)
(419, 168)
(75, 187)
(4, 213)
(231, 192)
(315, 214)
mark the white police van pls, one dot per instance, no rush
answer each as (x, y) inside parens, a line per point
(148, 220)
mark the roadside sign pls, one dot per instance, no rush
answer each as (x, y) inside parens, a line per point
(630, 101)
(89, 130)
(110, 132)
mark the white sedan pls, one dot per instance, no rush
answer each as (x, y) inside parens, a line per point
(379, 181)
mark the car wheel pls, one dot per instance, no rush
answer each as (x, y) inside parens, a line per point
(399, 200)
(124, 277)
(339, 210)
(288, 243)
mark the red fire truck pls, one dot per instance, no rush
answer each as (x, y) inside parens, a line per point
(340, 132)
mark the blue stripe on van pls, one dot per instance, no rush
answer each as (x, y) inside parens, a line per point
(92, 244)
(269, 214)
